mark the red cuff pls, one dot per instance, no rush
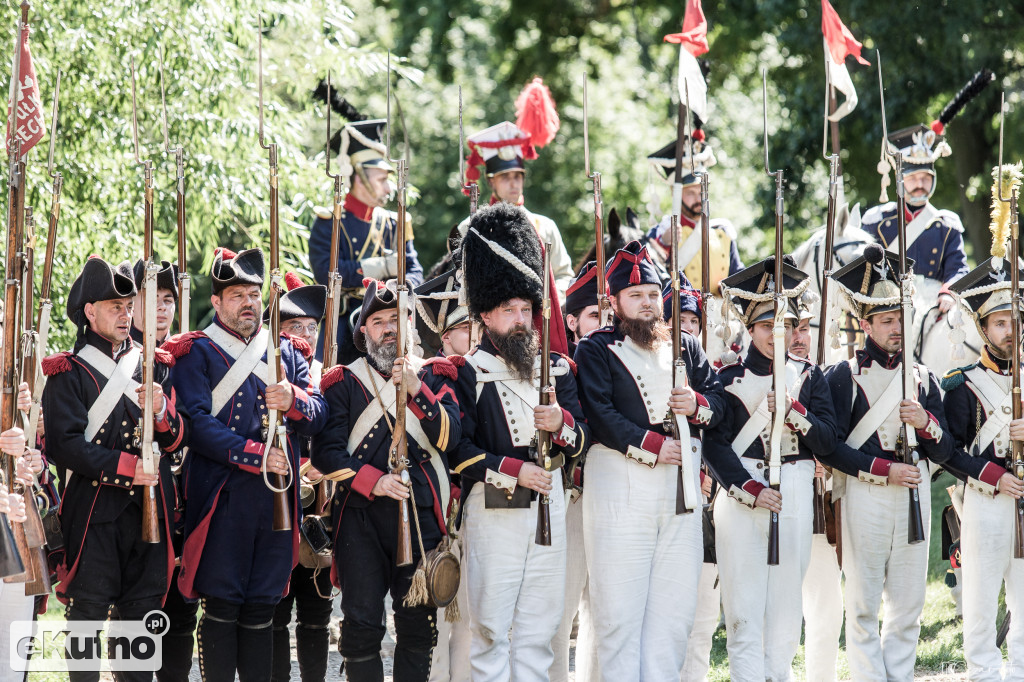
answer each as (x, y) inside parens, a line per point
(923, 433)
(702, 476)
(991, 473)
(701, 402)
(163, 425)
(428, 395)
(652, 442)
(753, 488)
(295, 414)
(365, 479)
(126, 465)
(880, 467)
(251, 458)
(800, 410)
(568, 422)
(510, 466)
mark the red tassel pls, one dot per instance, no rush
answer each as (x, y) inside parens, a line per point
(529, 152)
(57, 363)
(698, 135)
(225, 254)
(634, 276)
(443, 367)
(164, 357)
(536, 114)
(331, 377)
(180, 344)
(457, 360)
(300, 345)
(473, 173)
(938, 127)
(292, 281)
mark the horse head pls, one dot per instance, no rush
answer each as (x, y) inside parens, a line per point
(618, 235)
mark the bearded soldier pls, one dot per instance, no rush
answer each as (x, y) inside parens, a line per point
(91, 406)
(878, 561)
(724, 259)
(166, 300)
(762, 602)
(233, 559)
(353, 449)
(644, 560)
(368, 231)
(978, 407)
(514, 583)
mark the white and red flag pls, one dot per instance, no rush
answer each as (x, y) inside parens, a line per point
(839, 44)
(29, 124)
(693, 42)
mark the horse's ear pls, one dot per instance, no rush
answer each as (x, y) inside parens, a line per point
(614, 223)
(842, 218)
(632, 219)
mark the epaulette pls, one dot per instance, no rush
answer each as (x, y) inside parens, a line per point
(443, 367)
(300, 345)
(953, 378)
(457, 360)
(725, 226)
(57, 363)
(949, 219)
(572, 364)
(164, 357)
(323, 212)
(331, 377)
(180, 344)
(876, 214)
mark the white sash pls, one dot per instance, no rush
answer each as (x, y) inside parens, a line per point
(119, 383)
(248, 360)
(374, 411)
(988, 391)
(879, 411)
(760, 419)
(689, 249)
(916, 227)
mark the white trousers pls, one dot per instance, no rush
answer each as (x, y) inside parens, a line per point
(644, 563)
(762, 603)
(514, 584)
(705, 622)
(14, 605)
(450, 660)
(823, 611)
(986, 543)
(577, 599)
(881, 567)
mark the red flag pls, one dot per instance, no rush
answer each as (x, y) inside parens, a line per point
(694, 37)
(29, 124)
(840, 41)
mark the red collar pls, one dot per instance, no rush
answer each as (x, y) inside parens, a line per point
(358, 208)
(911, 214)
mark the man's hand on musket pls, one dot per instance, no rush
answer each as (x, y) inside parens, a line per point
(280, 396)
(671, 452)
(906, 475)
(683, 401)
(819, 471)
(549, 417)
(158, 397)
(1017, 429)
(24, 397)
(912, 413)
(408, 368)
(771, 402)
(12, 505)
(30, 465)
(390, 485)
(142, 478)
(12, 442)
(535, 478)
(1010, 485)
(769, 499)
(277, 461)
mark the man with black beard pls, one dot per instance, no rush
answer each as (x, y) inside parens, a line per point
(353, 450)
(514, 583)
(644, 560)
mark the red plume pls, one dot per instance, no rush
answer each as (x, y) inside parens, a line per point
(536, 116)
(225, 254)
(292, 281)
(938, 127)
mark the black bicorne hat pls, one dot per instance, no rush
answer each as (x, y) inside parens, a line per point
(748, 290)
(379, 296)
(871, 284)
(582, 293)
(364, 143)
(99, 281)
(167, 278)
(230, 269)
(986, 289)
(301, 300)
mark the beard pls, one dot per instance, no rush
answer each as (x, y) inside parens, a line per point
(383, 353)
(245, 327)
(693, 211)
(518, 348)
(645, 333)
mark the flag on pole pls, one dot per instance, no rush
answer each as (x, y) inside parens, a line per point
(839, 44)
(29, 106)
(693, 42)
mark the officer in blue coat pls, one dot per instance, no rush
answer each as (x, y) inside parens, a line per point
(232, 558)
(369, 238)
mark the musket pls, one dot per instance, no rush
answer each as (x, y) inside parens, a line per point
(330, 329)
(687, 496)
(541, 445)
(399, 453)
(149, 449)
(1016, 447)
(471, 188)
(778, 341)
(604, 305)
(826, 277)
(906, 445)
(277, 434)
(705, 228)
(184, 279)
(16, 558)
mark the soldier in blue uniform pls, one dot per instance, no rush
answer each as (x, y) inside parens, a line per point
(644, 560)
(232, 557)
(91, 408)
(978, 404)
(514, 583)
(762, 603)
(354, 450)
(369, 237)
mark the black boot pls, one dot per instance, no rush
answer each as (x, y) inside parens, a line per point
(255, 642)
(85, 610)
(218, 640)
(412, 665)
(282, 642)
(369, 669)
(312, 643)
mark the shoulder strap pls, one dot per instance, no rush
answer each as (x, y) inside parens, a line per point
(120, 382)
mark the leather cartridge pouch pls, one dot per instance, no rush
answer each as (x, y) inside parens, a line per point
(314, 543)
(498, 498)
